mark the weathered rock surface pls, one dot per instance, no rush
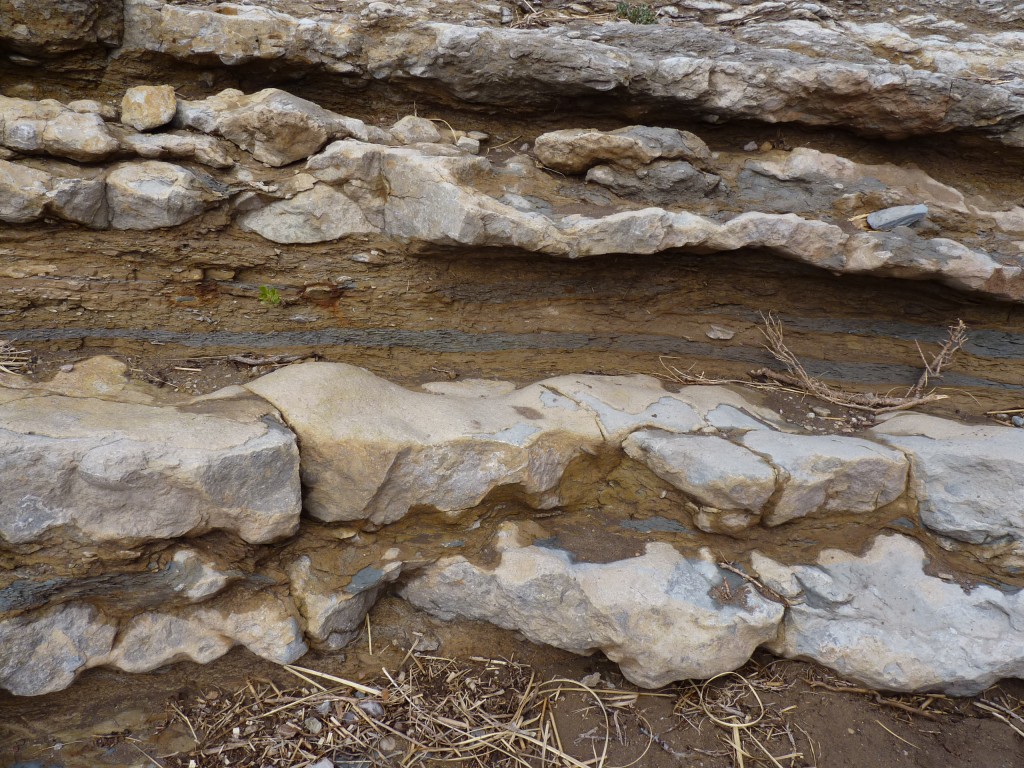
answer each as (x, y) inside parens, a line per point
(881, 619)
(437, 194)
(966, 477)
(276, 127)
(875, 78)
(88, 470)
(50, 27)
(372, 450)
(658, 615)
(84, 456)
(152, 194)
(819, 475)
(735, 483)
(145, 107)
(333, 610)
(179, 146)
(46, 651)
(48, 127)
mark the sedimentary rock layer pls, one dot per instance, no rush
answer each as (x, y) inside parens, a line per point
(157, 535)
(660, 190)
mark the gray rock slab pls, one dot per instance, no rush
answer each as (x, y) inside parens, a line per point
(153, 194)
(89, 470)
(374, 450)
(711, 470)
(899, 216)
(655, 615)
(966, 478)
(819, 475)
(881, 620)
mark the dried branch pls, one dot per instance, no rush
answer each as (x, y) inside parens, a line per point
(799, 378)
(796, 378)
(955, 339)
(13, 360)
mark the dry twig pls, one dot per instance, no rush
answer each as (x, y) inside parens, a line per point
(13, 360)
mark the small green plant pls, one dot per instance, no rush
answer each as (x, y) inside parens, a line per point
(270, 296)
(636, 14)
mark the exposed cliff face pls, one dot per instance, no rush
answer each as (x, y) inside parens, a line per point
(236, 178)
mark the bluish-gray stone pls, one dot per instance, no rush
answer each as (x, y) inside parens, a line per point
(900, 216)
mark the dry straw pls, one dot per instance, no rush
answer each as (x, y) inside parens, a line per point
(490, 713)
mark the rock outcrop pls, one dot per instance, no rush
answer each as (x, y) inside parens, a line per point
(102, 576)
(432, 193)
(660, 616)
(151, 156)
(883, 619)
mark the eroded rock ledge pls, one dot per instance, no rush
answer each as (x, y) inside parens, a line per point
(648, 190)
(174, 529)
(812, 63)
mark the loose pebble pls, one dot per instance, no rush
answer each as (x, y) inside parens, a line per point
(900, 216)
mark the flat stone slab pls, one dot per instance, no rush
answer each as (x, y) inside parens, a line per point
(93, 470)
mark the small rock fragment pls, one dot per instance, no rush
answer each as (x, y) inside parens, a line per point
(900, 216)
(468, 144)
(1017, 421)
(146, 107)
(718, 332)
(750, 146)
(415, 130)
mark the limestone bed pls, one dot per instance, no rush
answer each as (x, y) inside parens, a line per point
(475, 214)
(149, 530)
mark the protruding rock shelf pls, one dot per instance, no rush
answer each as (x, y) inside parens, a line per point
(157, 530)
(666, 191)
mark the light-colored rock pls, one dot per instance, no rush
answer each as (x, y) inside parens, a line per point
(48, 127)
(966, 478)
(373, 450)
(333, 613)
(623, 404)
(803, 70)
(313, 216)
(44, 652)
(88, 470)
(22, 192)
(262, 622)
(91, 106)
(819, 475)
(152, 194)
(714, 472)
(656, 615)
(276, 127)
(575, 150)
(83, 201)
(415, 130)
(53, 27)
(470, 145)
(26, 194)
(145, 107)
(194, 577)
(239, 34)
(881, 620)
(179, 146)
